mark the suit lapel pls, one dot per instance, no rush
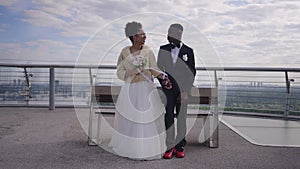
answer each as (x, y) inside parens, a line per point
(170, 58)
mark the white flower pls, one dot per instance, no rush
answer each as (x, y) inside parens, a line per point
(139, 61)
(185, 57)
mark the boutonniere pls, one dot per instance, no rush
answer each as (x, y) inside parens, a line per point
(185, 57)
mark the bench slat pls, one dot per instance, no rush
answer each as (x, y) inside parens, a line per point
(109, 94)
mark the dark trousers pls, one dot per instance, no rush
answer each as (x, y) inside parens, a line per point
(181, 111)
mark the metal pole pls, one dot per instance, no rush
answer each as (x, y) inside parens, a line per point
(27, 94)
(90, 126)
(52, 89)
(287, 82)
(216, 79)
(215, 125)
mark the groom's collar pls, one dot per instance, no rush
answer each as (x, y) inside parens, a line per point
(178, 46)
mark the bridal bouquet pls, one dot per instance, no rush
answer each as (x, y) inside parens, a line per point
(139, 61)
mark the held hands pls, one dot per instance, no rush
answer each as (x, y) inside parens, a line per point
(166, 83)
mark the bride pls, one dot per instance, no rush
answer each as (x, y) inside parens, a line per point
(139, 121)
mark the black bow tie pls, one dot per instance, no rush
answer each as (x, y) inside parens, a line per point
(174, 45)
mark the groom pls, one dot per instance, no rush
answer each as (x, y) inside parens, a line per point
(178, 61)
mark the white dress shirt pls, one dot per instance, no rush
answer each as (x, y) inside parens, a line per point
(174, 53)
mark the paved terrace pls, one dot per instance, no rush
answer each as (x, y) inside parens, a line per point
(33, 138)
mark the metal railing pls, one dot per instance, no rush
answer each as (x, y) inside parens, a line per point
(274, 91)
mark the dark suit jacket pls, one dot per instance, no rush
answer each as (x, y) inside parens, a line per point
(182, 73)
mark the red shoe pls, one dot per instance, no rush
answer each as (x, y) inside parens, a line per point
(169, 154)
(180, 154)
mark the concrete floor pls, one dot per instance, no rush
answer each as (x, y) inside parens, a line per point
(32, 138)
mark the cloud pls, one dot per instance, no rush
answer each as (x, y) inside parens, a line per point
(3, 27)
(8, 3)
(261, 31)
(16, 6)
(39, 51)
(239, 30)
(76, 18)
(44, 19)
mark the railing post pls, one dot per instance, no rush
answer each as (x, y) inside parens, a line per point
(288, 83)
(216, 79)
(52, 89)
(90, 126)
(214, 142)
(288, 94)
(27, 94)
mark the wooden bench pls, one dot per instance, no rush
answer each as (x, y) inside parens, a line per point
(107, 96)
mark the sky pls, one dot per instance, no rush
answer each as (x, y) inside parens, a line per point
(239, 33)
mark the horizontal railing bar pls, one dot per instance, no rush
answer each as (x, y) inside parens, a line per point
(252, 76)
(272, 69)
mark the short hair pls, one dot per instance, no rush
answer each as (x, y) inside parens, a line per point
(132, 28)
(177, 26)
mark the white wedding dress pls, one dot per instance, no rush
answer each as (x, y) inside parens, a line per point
(139, 130)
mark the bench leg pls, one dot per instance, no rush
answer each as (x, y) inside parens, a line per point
(90, 141)
(98, 139)
(90, 129)
(211, 131)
